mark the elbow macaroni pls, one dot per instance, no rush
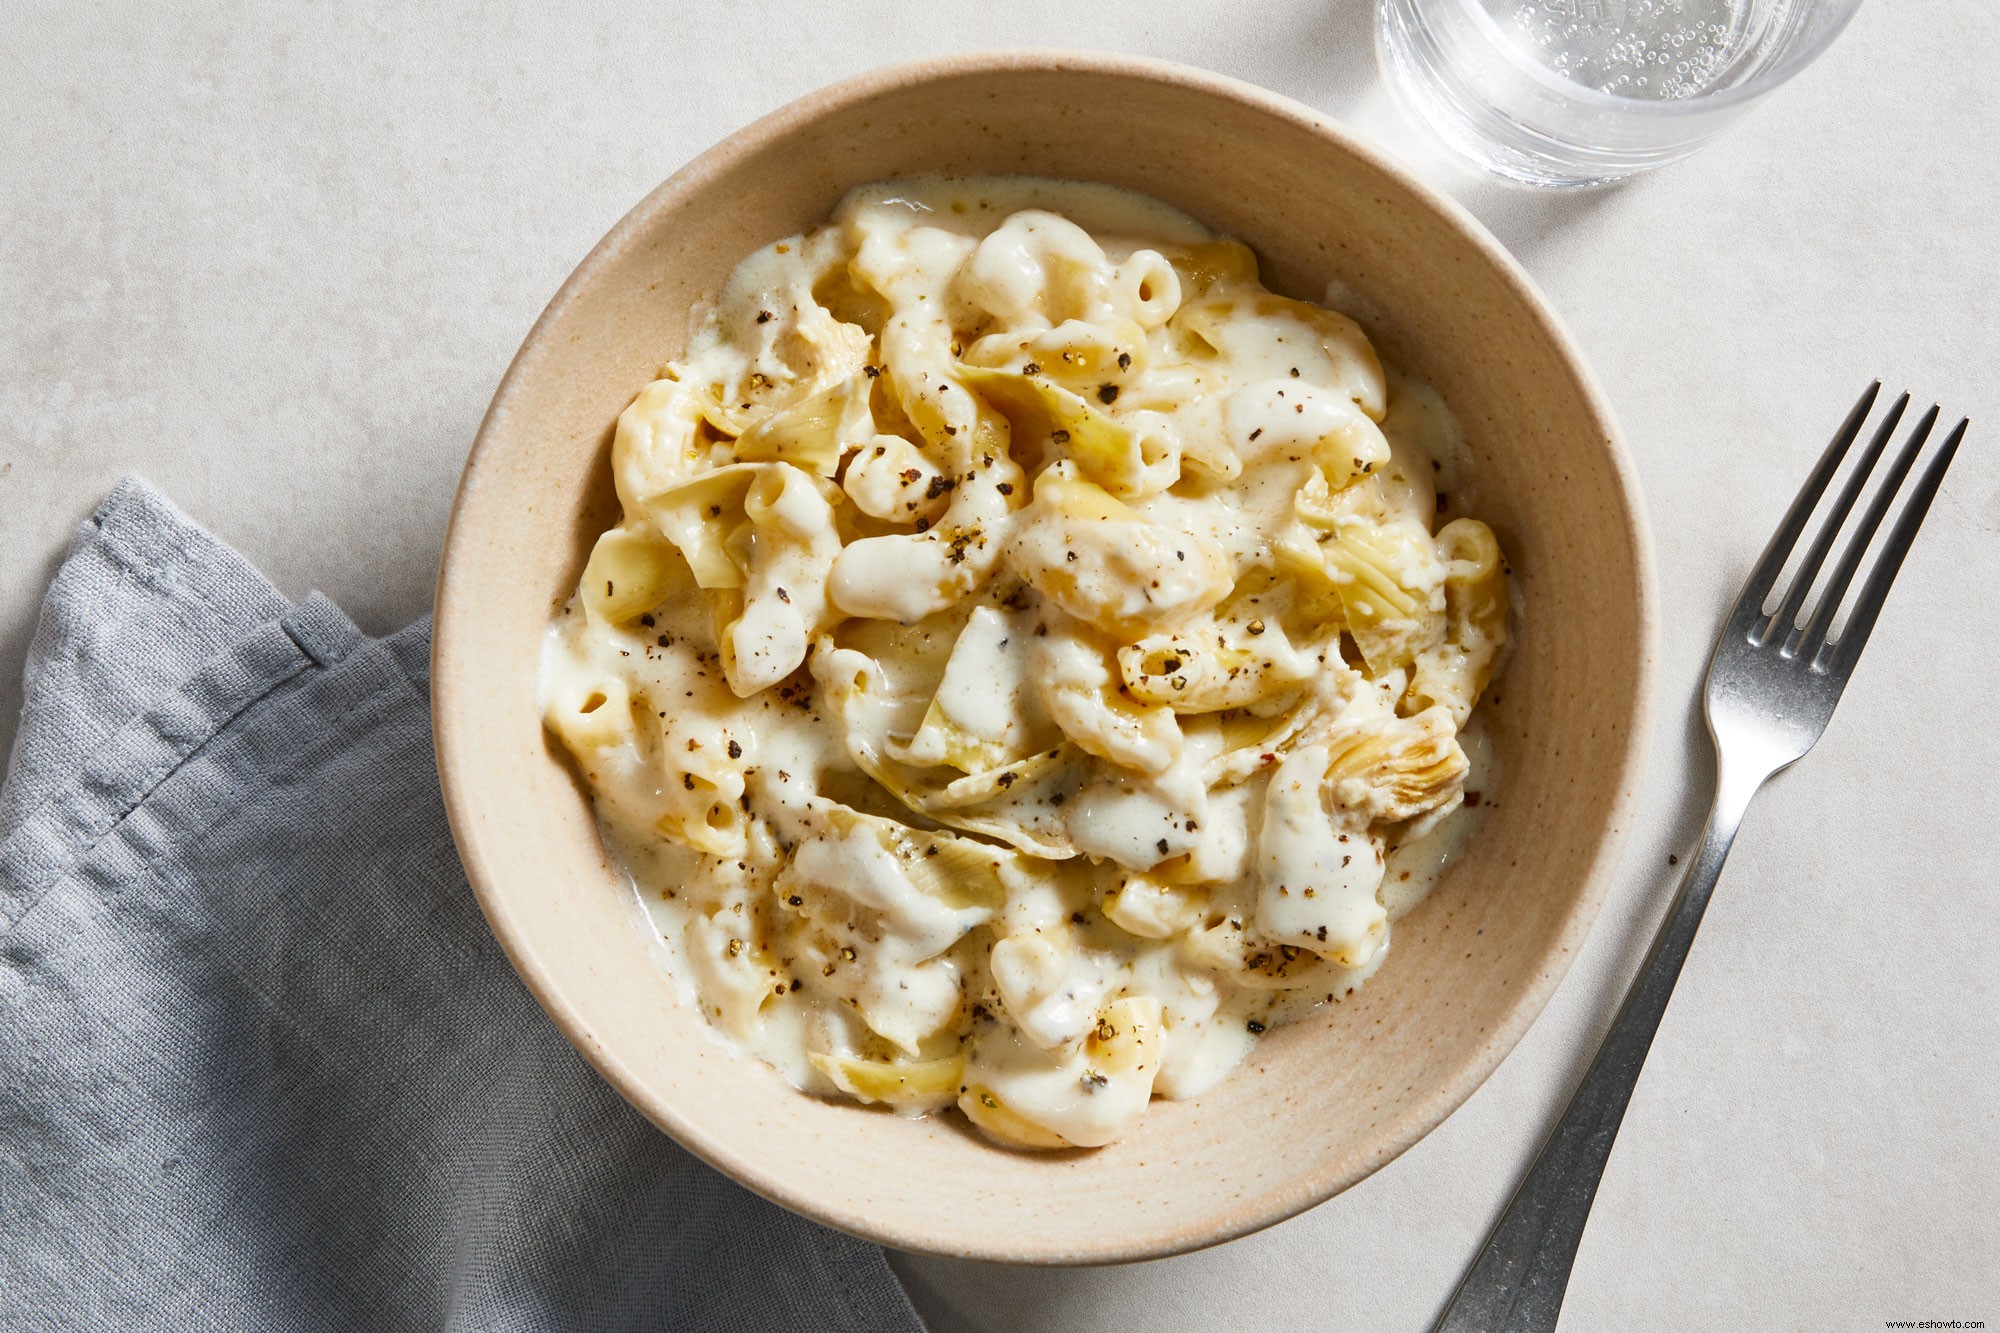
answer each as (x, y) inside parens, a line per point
(1026, 668)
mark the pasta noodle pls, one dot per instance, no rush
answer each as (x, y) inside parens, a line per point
(1029, 664)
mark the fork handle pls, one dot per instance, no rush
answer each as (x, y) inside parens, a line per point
(1517, 1283)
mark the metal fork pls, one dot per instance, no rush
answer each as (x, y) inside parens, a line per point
(1772, 684)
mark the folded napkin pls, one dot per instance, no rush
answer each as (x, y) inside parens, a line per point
(261, 1064)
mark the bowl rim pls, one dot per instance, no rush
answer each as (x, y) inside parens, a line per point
(1153, 1240)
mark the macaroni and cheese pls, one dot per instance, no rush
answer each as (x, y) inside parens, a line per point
(1034, 659)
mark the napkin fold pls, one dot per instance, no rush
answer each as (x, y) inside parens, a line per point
(261, 1063)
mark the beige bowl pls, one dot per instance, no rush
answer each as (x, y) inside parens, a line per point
(1320, 1104)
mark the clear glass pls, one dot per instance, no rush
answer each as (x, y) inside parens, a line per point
(1580, 92)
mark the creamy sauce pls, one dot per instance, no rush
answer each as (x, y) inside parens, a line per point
(1030, 665)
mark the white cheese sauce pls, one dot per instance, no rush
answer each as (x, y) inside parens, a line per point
(1030, 665)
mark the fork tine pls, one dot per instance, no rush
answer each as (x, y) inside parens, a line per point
(1840, 656)
(1750, 607)
(1822, 542)
(1813, 631)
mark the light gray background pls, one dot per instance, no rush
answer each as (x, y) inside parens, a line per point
(275, 257)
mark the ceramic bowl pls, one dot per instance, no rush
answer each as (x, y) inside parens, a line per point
(1320, 1103)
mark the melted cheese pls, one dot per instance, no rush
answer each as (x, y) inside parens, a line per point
(980, 719)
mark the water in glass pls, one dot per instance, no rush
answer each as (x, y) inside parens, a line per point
(1571, 92)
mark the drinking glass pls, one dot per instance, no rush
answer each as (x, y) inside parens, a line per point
(1580, 92)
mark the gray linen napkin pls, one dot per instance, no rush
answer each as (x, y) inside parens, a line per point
(261, 1063)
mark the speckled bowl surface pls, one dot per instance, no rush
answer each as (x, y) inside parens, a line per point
(1320, 1103)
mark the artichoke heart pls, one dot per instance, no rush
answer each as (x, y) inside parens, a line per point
(1455, 672)
(1390, 585)
(1018, 811)
(814, 432)
(704, 516)
(1396, 768)
(955, 872)
(1002, 1123)
(1065, 426)
(629, 573)
(913, 1087)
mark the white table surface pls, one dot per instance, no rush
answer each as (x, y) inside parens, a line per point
(276, 257)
